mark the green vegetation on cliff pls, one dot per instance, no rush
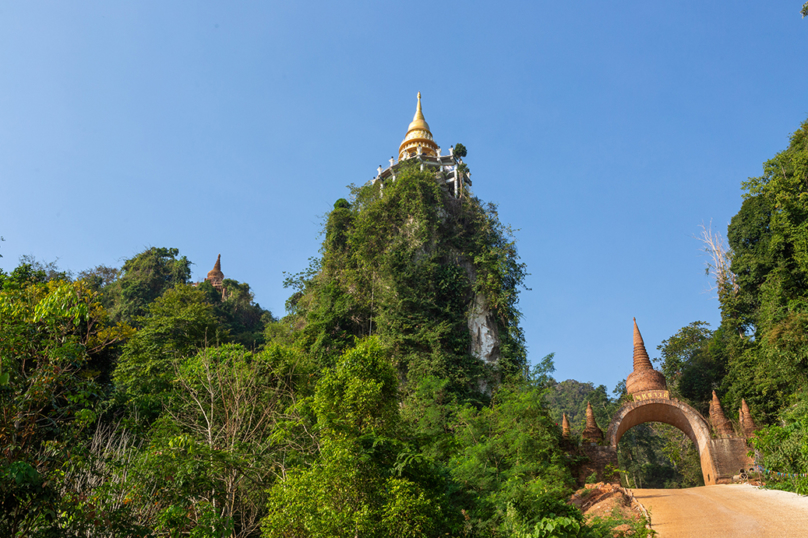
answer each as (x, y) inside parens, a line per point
(393, 399)
(409, 263)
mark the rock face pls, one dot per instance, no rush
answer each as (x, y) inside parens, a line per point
(485, 342)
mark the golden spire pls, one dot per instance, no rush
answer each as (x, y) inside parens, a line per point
(418, 121)
(418, 135)
(565, 426)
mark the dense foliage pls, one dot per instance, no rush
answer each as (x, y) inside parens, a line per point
(407, 263)
(133, 402)
(136, 403)
(760, 351)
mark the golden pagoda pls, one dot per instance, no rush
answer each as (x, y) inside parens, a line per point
(419, 146)
(418, 140)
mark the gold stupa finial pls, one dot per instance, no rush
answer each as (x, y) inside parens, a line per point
(418, 121)
(418, 135)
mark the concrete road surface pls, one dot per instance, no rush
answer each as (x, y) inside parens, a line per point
(736, 511)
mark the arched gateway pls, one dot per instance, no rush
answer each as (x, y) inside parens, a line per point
(722, 455)
(677, 414)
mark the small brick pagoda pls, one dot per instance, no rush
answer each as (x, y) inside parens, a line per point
(591, 433)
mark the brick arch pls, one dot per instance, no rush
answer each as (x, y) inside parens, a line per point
(677, 414)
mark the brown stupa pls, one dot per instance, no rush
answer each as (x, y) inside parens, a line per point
(565, 427)
(215, 275)
(591, 433)
(747, 424)
(721, 424)
(644, 378)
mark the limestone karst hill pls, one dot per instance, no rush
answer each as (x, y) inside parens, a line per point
(416, 259)
(434, 276)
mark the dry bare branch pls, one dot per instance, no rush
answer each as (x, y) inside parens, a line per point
(719, 259)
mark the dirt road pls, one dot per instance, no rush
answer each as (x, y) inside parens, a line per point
(736, 511)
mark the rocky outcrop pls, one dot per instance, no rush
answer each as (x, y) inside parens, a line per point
(485, 342)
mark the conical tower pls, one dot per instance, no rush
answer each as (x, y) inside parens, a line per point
(215, 275)
(591, 433)
(418, 140)
(721, 424)
(565, 427)
(747, 424)
(644, 378)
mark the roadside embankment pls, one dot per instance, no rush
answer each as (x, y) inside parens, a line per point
(610, 502)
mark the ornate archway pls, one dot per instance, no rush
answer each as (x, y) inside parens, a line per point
(677, 414)
(722, 456)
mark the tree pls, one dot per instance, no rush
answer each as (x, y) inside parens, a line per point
(49, 333)
(769, 241)
(508, 456)
(142, 279)
(352, 488)
(221, 442)
(178, 324)
(460, 150)
(691, 370)
(238, 313)
(99, 277)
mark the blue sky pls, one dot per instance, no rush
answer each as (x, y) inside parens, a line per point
(606, 132)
